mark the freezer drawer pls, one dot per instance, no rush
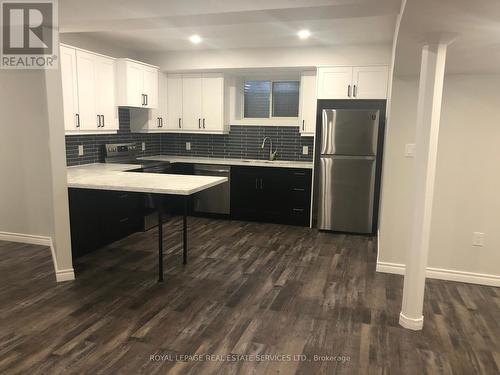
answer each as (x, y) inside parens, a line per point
(346, 193)
(349, 132)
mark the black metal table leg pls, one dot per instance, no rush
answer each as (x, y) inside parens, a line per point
(184, 223)
(160, 237)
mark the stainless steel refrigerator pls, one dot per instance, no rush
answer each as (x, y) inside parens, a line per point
(347, 170)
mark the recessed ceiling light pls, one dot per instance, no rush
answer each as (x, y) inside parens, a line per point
(195, 39)
(304, 34)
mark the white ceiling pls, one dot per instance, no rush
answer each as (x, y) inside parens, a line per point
(156, 25)
(475, 25)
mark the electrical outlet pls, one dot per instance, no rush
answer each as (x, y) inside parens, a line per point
(80, 150)
(305, 150)
(188, 146)
(410, 150)
(143, 146)
(478, 239)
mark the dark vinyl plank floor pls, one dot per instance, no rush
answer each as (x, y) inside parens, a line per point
(256, 292)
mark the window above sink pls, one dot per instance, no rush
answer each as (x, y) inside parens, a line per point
(265, 98)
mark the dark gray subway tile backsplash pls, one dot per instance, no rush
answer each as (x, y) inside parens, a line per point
(242, 142)
(93, 145)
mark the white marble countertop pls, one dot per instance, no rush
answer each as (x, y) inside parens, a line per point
(221, 161)
(110, 176)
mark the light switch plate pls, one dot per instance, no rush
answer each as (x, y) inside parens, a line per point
(410, 150)
(478, 239)
(188, 146)
(305, 150)
(80, 150)
(143, 146)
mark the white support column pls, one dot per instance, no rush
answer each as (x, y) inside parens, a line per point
(428, 116)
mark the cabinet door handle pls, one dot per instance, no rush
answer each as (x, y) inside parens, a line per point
(158, 124)
(354, 91)
(103, 123)
(256, 183)
(349, 91)
(203, 123)
(199, 123)
(161, 122)
(98, 121)
(77, 117)
(261, 184)
(298, 189)
(303, 124)
(298, 210)
(299, 173)
(142, 96)
(146, 95)
(179, 122)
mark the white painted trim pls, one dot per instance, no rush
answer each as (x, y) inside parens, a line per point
(61, 275)
(444, 274)
(65, 275)
(463, 276)
(410, 323)
(395, 268)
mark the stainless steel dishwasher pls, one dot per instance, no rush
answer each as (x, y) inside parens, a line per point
(215, 200)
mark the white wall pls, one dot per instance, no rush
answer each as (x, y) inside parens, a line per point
(467, 186)
(270, 57)
(25, 190)
(33, 188)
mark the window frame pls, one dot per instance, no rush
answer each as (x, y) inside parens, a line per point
(271, 117)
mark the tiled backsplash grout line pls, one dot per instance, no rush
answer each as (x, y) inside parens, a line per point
(242, 142)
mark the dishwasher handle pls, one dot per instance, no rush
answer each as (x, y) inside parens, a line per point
(212, 170)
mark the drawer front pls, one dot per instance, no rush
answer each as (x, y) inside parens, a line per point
(300, 178)
(300, 198)
(299, 216)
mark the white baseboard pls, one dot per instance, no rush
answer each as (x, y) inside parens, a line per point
(397, 268)
(444, 274)
(65, 275)
(61, 275)
(410, 323)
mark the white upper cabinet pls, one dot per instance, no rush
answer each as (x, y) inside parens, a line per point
(174, 102)
(334, 82)
(89, 100)
(308, 103)
(87, 104)
(195, 103)
(137, 84)
(362, 82)
(154, 120)
(105, 94)
(370, 82)
(151, 80)
(69, 89)
(212, 104)
(191, 101)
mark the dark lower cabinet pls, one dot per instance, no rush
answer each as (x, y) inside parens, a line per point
(99, 217)
(268, 194)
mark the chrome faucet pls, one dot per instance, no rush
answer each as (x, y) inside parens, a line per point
(272, 154)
